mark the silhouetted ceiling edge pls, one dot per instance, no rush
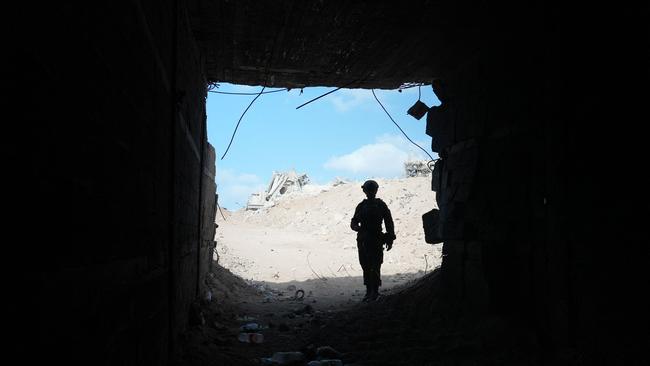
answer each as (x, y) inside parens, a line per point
(295, 44)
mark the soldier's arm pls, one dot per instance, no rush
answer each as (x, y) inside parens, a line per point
(388, 220)
(354, 223)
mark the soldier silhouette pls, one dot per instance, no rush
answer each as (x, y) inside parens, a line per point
(366, 221)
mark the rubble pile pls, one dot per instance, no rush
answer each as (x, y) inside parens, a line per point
(307, 232)
(417, 168)
(281, 183)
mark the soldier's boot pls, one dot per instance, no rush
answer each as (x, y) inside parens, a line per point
(367, 295)
(374, 293)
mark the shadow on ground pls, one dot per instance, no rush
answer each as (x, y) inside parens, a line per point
(405, 326)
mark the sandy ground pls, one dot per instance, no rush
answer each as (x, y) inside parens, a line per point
(304, 243)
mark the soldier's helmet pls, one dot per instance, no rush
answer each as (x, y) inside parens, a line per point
(370, 185)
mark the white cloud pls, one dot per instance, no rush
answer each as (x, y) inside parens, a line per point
(346, 99)
(383, 159)
(235, 188)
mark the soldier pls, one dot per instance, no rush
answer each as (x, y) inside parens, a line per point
(370, 240)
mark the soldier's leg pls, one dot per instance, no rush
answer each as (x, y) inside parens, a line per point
(373, 289)
(375, 260)
(363, 261)
(372, 280)
(376, 281)
(379, 261)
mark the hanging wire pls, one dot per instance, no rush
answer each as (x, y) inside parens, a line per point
(329, 92)
(238, 93)
(419, 91)
(266, 80)
(391, 118)
(240, 118)
(318, 97)
(219, 207)
(431, 164)
(361, 80)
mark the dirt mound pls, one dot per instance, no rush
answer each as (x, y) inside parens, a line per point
(325, 211)
(307, 235)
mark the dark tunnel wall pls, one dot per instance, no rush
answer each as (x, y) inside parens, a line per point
(538, 190)
(123, 177)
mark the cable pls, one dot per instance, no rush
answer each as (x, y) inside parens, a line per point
(219, 207)
(431, 164)
(340, 87)
(235, 93)
(266, 80)
(242, 116)
(329, 92)
(391, 118)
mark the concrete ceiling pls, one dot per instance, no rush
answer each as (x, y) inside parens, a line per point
(297, 43)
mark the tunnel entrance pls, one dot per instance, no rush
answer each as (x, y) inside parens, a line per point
(291, 240)
(293, 234)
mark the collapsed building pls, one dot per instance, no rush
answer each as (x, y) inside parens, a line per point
(281, 183)
(417, 168)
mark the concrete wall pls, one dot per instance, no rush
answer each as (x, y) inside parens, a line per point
(114, 144)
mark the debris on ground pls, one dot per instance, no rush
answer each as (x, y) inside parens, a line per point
(302, 249)
(328, 352)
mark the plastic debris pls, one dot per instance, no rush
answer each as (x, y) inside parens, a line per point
(250, 326)
(267, 361)
(325, 363)
(246, 318)
(251, 337)
(286, 358)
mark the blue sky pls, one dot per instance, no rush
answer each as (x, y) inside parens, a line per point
(345, 134)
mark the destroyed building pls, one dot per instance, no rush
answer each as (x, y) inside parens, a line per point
(417, 168)
(281, 183)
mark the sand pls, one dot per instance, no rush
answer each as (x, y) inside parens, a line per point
(305, 242)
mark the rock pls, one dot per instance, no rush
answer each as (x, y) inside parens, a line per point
(218, 326)
(308, 309)
(287, 358)
(309, 351)
(328, 352)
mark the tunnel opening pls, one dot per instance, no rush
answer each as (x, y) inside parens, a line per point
(420, 306)
(302, 240)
